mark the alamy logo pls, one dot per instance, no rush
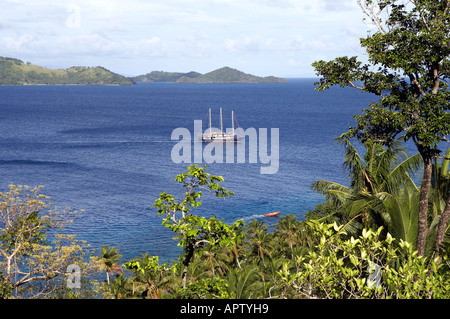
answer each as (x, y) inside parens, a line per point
(74, 277)
(226, 146)
(73, 21)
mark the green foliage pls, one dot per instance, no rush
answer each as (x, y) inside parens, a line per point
(205, 288)
(196, 232)
(243, 283)
(5, 288)
(331, 264)
(412, 42)
(33, 262)
(403, 213)
(259, 242)
(409, 60)
(150, 278)
(119, 288)
(299, 259)
(341, 268)
(109, 257)
(379, 180)
(146, 264)
(108, 261)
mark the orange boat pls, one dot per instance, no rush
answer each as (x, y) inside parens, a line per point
(271, 214)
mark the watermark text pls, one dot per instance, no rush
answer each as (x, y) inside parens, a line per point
(228, 151)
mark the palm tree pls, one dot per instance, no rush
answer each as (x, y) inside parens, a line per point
(288, 231)
(255, 226)
(260, 241)
(217, 259)
(109, 259)
(119, 288)
(243, 282)
(403, 209)
(380, 174)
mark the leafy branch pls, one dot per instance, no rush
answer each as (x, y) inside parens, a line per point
(196, 232)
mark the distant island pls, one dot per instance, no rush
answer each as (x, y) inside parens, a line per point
(16, 72)
(222, 75)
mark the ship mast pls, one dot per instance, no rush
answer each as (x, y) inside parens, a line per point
(221, 126)
(232, 120)
(210, 130)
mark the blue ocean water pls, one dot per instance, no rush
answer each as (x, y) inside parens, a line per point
(107, 150)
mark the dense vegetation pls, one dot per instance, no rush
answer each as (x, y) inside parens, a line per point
(321, 257)
(409, 69)
(222, 75)
(331, 254)
(15, 72)
(379, 236)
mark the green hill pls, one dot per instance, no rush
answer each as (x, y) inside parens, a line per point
(161, 76)
(223, 75)
(229, 75)
(15, 72)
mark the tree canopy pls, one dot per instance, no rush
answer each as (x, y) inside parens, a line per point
(409, 69)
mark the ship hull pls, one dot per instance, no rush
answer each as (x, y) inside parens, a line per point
(219, 138)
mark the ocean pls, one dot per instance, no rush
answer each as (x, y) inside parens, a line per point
(107, 150)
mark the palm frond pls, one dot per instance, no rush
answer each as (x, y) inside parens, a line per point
(386, 158)
(335, 192)
(325, 186)
(352, 227)
(403, 173)
(241, 281)
(403, 211)
(354, 165)
(357, 206)
(377, 187)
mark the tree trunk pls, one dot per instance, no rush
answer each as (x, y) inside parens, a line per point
(236, 253)
(186, 261)
(443, 221)
(423, 203)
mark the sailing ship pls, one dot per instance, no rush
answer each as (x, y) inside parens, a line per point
(219, 136)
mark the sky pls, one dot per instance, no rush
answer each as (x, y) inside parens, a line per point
(134, 37)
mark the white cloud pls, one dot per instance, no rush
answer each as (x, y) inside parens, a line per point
(296, 44)
(342, 5)
(250, 44)
(16, 44)
(173, 32)
(194, 44)
(88, 43)
(150, 47)
(276, 3)
(22, 44)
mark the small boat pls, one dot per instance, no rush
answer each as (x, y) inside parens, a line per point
(271, 214)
